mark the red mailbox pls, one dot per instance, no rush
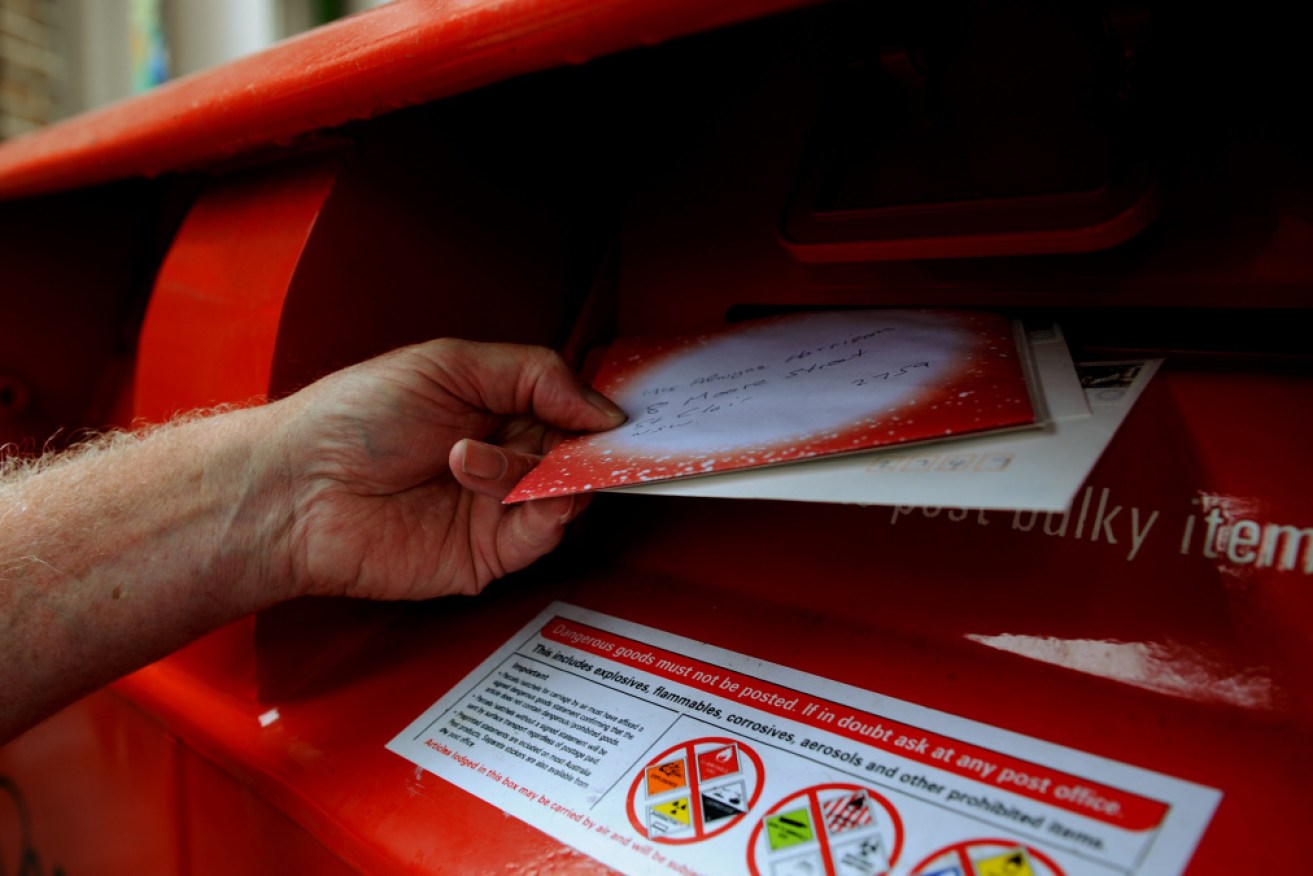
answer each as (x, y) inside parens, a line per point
(563, 173)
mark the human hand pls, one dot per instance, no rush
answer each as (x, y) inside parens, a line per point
(394, 493)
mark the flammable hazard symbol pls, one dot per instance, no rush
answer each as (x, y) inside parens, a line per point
(717, 762)
(671, 803)
(851, 829)
(988, 857)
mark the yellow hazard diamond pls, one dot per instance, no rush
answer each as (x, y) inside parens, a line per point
(1010, 863)
(674, 809)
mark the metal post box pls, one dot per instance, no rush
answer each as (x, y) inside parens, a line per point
(562, 173)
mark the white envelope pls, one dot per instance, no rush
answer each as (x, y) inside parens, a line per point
(1030, 470)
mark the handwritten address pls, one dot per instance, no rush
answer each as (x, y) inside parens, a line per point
(678, 405)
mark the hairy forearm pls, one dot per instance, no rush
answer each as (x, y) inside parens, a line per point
(114, 555)
(369, 482)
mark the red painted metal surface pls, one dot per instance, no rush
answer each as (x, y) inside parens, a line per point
(401, 54)
(213, 317)
(104, 751)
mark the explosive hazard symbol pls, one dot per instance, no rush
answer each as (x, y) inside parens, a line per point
(987, 857)
(695, 790)
(838, 829)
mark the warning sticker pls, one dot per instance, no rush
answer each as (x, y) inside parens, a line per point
(789, 829)
(666, 777)
(722, 761)
(685, 809)
(842, 812)
(853, 829)
(715, 811)
(863, 857)
(656, 754)
(670, 817)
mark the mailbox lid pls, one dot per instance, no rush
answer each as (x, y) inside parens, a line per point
(400, 54)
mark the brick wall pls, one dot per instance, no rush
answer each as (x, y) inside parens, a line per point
(31, 70)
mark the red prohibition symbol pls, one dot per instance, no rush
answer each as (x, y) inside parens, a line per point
(987, 857)
(695, 790)
(831, 828)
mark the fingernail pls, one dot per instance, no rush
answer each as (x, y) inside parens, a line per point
(605, 405)
(483, 461)
(568, 514)
(554, 510)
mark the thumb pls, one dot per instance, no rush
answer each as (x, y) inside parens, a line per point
(531, 529)
(487, 469)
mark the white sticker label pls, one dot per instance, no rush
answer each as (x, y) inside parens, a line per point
(657, 754)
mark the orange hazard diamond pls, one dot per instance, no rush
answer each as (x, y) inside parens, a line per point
(666, 777)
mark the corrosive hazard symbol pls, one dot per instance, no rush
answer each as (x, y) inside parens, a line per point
(732, 794)
(724, 801)
(695, 790)
(848, 830)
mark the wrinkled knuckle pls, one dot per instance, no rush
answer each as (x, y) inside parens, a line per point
(440, 349)
(545, 361)
(536, 370)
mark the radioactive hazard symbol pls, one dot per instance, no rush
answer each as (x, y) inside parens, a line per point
(988, 857)
(669, 817)
(695, 790)
(839, 829)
